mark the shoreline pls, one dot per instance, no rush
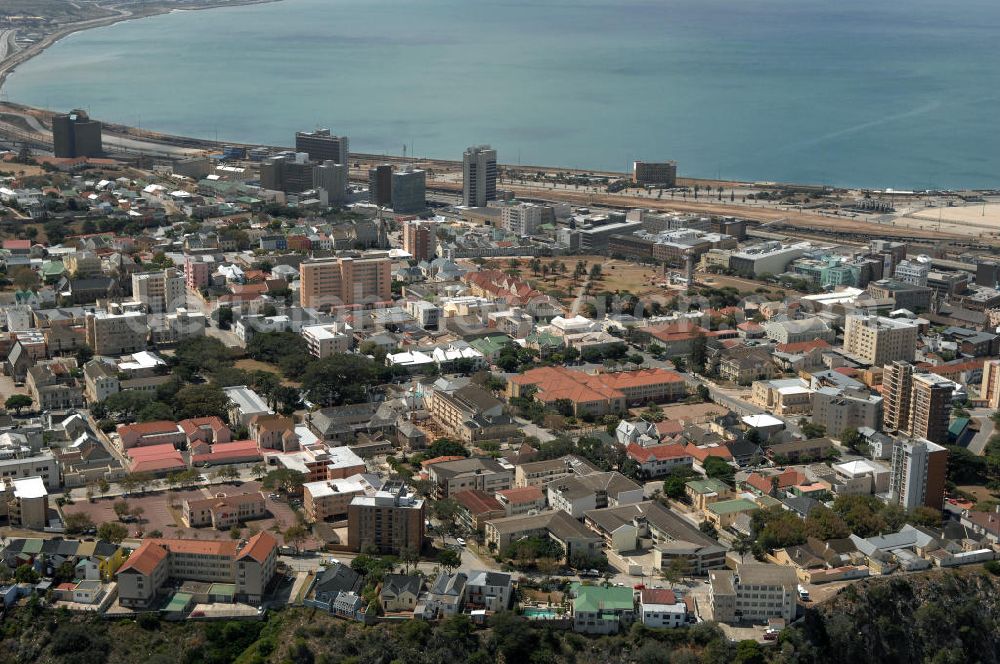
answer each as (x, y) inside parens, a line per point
(9, 64)
(16, 58)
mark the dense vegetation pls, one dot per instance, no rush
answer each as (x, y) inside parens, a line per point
(942, 617)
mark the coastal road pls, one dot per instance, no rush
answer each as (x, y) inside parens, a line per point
(7, 44)
(112, 142)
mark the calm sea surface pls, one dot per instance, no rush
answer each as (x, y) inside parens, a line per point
(900, 93)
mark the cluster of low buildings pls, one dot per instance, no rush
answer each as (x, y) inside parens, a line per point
(852, 388)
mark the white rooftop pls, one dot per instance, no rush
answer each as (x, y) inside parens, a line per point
(327, 488)
(343, 457)
(762, 421)
(141, 360)
(30, 487)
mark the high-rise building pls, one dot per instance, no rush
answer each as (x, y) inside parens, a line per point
(930, 407)
(161, 292)
(380, 185)
(327, 282)
(409, 191)
(897, 387)
(321, 146)
(418, 240)
(522, 219)
(292, 173)
(919, 471)
(876, 340)
(332, 177)
(918, 404)
(391, 521)
(662, 173)
(990, 387)
(76, 135)
(479, 176)
(913, 272)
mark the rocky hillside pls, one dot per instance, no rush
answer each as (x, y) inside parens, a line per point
(942, 617)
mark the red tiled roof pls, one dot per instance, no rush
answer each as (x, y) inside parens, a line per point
(655, 452)
(148, 428)
(702, 453)
(440, 459)
(556, 383)
(222, 452)
(259, 547)
(802, 346)
(477, 502)
(786, 479)
(17, 244)
(669, 427)
(144, 559)
(155, 458)
(191, 426)
(201, 547)
(958, 367)
(524, 494)
(658, 596)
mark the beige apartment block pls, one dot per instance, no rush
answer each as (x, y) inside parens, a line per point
(161, 292)
(116, 334)
(876, 340)
(332, 282)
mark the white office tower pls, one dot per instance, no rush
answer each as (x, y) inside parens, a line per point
(479, 176)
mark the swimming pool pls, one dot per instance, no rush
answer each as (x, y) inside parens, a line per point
(540, 614)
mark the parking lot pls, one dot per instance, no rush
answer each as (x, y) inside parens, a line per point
(161, 511)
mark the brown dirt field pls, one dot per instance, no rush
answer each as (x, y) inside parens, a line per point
(980, 492)
(617, 275)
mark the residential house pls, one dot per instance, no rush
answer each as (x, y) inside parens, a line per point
(602, 610)
(660, 607)
(399, 592)
(488, 590)
(659, 460)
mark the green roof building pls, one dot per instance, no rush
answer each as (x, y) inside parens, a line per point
(602, 610)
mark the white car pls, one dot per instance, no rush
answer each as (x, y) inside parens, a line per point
(461, 542)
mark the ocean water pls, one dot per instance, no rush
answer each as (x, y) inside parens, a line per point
(898, 93)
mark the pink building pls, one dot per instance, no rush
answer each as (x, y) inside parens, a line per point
(197, 272)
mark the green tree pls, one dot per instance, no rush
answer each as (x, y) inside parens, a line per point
(121, 508)
(717, 468)
(446, 447)
(112, 531)
(77, 523)
(296, 535)
(284, 479)
(17, 402)
(449, 559)
(853, 441)
(339, 379)
(823, 523)
(203, 400)
(225, 317)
